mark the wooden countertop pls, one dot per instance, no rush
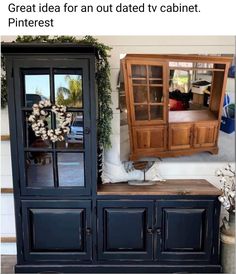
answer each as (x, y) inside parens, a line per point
(169, 187)
(191, 116)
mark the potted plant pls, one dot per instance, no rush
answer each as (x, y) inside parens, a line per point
(227, 199)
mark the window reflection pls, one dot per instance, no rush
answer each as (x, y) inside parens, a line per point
(70, 169)
(68, 90)
(75, 138)
(39, 169)
(37, 87)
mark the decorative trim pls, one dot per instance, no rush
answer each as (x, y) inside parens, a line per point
(5, 137)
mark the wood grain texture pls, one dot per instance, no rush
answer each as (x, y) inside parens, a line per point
(169, 187)
(8, 239)
(5, 137)
(6, 190)
(187, 116)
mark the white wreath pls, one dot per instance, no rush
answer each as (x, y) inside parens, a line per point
(38, 123)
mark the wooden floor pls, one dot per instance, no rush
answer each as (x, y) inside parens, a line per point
(7, 264)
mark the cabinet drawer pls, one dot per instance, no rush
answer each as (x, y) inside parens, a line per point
(56, 230)
(123, 230)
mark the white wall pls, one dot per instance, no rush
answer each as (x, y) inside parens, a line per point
(121, 45)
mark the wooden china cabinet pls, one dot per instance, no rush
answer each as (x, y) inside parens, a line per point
(68, 223)
(154, 130)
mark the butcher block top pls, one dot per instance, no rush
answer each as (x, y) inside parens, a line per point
(168, 187)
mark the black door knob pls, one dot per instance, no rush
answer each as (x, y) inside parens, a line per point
(86, 130)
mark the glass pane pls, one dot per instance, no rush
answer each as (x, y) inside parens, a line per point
(155, 72)
(37, 87)
(139, 71)
(156, 112)
(141, 112)
(75, 138)
(156, 94)
(68, 88)
(39, 169)
(70, 169)
(140, 94)
(30, 139)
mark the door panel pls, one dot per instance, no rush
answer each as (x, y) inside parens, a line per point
(150, 138)
(64, 167)
(122, 230)
(205, 134)
(146, 95)
(56, 230)
(185, 230)
(180, 136)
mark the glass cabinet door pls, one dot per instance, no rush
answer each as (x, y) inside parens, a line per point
(147, 98)
(60, 167)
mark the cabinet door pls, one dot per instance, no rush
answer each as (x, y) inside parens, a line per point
(148, 138)
(205, 134)
(146, 93)
(185, 230)
(123, 230)
(180, 136)
(61, 167)
(56, 230)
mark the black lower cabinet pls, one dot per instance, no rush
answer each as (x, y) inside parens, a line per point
(123, 230)
(56, 230)
(185, 230)
(111, 235)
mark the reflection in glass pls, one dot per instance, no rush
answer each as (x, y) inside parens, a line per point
(31, 140)
(37, 87)
(141, 112)
(39, 169)
(139, 71)
(155, 71)
(140, 94)
(156, 94)
(156, 112)
(75, 138)
(68, 90)
(70, 169)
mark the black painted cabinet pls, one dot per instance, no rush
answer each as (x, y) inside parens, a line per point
(163, 231)
(63, 223)
(185, 230)
(57, 230)
(123, 230)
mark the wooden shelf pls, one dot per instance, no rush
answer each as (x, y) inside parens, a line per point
(169, 187)
(194, 68)
(183, 116)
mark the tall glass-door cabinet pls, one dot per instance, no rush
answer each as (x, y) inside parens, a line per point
(54, 181)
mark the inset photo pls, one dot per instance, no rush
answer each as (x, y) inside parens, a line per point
(177, 107)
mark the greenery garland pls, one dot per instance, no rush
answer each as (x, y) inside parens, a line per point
(102, 79)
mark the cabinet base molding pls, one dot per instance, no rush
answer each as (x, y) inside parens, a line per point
(174, 153)
(108, 268)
